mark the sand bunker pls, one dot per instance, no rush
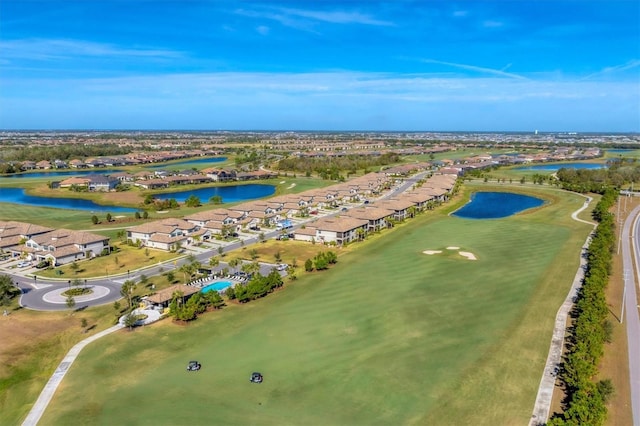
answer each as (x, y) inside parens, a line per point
(291, 186)
(283, 181)
(468, 255)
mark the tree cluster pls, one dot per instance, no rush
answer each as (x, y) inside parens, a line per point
(321, 261)
(157, 204)
(331, 167)
(619, 172)
(585, 403)
(259, 286)
(196, 304)
(63, 152)
(7, 290)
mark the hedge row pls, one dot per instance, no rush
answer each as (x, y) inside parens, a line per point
(586, 399)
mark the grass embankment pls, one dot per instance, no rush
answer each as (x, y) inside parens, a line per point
(32, 345)
(390, 335)
(126, 258)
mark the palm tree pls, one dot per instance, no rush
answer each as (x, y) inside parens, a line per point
(233, 263)
(127, 290)
(187, 268)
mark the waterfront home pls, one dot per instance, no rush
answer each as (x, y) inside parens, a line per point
(13, 235)
(62, 246)
(165, 234)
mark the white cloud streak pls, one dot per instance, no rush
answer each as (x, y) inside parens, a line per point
(484, 70)
(55, 49)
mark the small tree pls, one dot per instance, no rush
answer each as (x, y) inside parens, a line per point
(254, 254)
(94, 219)
(137, 215)
(220, 251)
(146, 252)
(117, 306)
(216, 199)
(170, 277)
(262, 237)
(308, 265)
(70, 301)
(145, 215)
(84, 323)
(278, 257)
(109, 218)
(74, 267)
(130, 320)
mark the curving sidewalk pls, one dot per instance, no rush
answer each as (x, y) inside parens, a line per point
(542, 405)
(50, 388)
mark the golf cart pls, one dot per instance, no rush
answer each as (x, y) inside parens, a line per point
(256, 378)
(194, 366)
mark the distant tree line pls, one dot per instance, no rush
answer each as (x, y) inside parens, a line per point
(62, 152)
(586, 400)
(619, 172)
(331, 167)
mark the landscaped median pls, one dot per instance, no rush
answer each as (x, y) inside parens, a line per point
(388, 336)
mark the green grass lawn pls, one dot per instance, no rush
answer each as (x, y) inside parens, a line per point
(388, 336)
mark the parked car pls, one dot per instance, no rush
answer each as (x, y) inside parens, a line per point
(256, 378)
(24, 264)
(194, 366)
(282, 266)
(42, 264)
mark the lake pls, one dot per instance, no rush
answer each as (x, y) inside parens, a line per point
(554, 167)
(495, 205)
(18, 196)
(229, 194)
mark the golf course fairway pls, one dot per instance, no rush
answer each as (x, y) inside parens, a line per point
(389, 335)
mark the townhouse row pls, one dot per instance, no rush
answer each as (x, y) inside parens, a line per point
(56, 246)
(169, 234)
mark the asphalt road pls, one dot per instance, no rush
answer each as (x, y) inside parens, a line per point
(631, 247)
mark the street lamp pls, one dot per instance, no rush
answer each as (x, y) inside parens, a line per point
(624, 296)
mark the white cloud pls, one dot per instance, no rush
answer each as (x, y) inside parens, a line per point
(337, 17)
(329, 100)
(492, 24)
(50, 49)
(262, 29)
(484, 70)
(614, 69)
(460, 13)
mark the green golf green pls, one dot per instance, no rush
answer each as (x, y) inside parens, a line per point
(389, 336)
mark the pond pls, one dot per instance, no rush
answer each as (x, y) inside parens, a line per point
(229, 194)
(554, 167)
(494, 205)
(18, 196)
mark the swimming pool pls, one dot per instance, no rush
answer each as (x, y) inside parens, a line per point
(217, 286)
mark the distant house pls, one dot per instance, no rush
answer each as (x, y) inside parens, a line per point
(13, 235)
(340, 230)
(62, 246)
(102, 183)
(165, 234)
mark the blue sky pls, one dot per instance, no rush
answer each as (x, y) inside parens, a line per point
(299, 65)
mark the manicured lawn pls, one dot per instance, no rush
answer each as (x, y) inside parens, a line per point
(388, 336)
(119, 262)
